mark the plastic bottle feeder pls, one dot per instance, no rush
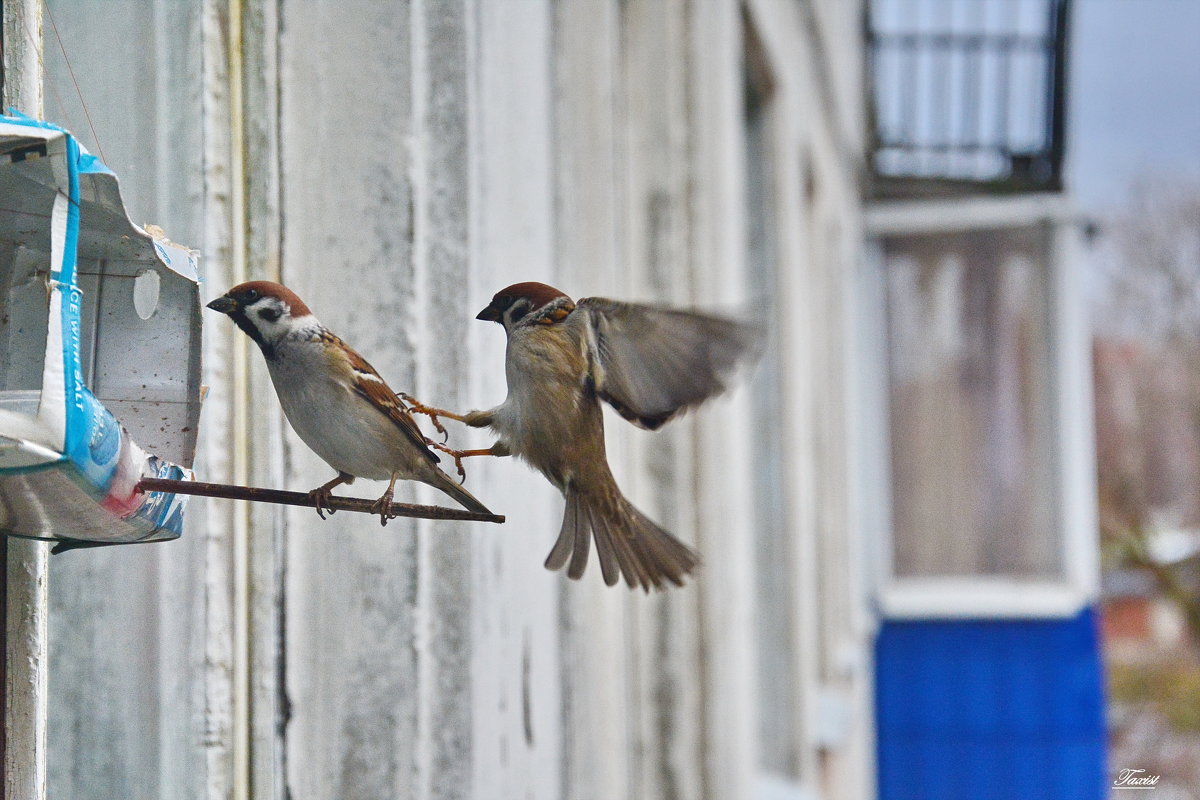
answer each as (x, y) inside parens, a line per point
(99, 351)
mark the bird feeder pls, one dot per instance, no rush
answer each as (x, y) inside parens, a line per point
(99, 351)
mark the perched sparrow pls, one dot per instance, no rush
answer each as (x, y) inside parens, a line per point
(334, 399)
(650, 363)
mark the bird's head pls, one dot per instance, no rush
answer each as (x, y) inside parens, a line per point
(526, 302)
(266, 312)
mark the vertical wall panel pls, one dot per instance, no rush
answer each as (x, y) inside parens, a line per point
(265, 549)
(516, 729)
(25, 567)
(596, 690)
(438, 324)
(128, 639)
(726, 616)
(351, 654)
(659, 467)
(222, 442)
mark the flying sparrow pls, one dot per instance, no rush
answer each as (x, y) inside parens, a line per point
(649, 362)
(335, 401)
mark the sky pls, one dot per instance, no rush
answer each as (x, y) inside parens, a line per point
(1134, 106)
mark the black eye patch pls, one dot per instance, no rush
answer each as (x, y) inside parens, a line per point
(270, 314)
(517, 308)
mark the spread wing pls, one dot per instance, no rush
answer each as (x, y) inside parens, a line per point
(370, 385)
(652, 363)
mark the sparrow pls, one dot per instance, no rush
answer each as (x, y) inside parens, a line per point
(650, 363)
(334, 400)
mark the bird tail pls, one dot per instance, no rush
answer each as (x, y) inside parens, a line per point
(628, 543)
(461, 496)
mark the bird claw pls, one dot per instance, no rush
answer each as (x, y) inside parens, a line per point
(432, 413)
(457, 455)
(320, 498)
(383, 507)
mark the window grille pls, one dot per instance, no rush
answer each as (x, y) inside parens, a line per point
(967, 93)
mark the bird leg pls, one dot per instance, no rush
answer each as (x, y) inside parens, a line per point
(418, 407)
(384, 504)
(475, 419)
(499, 449)
(320, 496)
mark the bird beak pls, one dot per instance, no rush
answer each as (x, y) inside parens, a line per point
(489, 314)
(225, 304)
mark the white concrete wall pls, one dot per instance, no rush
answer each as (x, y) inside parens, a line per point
(395, 164)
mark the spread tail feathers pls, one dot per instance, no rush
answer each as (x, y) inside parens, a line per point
(628, 543)
(460, 495)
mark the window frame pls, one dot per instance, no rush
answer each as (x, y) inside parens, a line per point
(1073, 448)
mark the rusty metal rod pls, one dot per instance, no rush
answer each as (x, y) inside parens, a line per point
(302, 499)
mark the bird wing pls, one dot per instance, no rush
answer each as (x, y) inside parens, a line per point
(652, 363)
(368, 383)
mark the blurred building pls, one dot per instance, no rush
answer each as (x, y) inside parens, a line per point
(987, 657)
(895, 510)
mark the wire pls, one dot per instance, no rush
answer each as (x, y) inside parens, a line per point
(79, 92)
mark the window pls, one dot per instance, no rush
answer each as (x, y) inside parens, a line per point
(970, 404)
(973, 321)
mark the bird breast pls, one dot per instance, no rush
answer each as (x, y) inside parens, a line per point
(340, 425)
(547, 418)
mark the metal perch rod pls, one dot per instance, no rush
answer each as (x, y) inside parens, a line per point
(302, 499)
